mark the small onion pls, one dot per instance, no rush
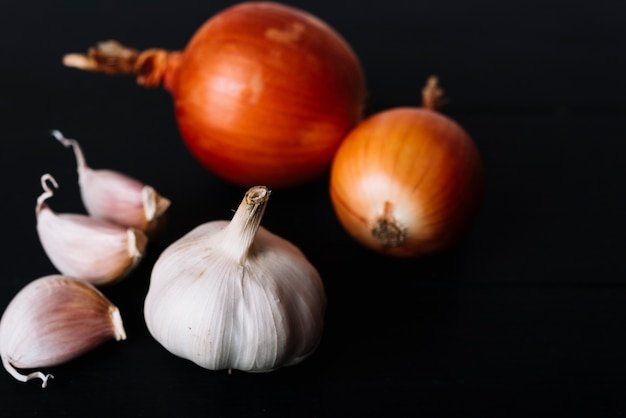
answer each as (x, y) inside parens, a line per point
(407, 181)
(264, 93)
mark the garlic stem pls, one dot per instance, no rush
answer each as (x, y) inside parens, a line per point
(81, 163)
(47, 191)
(240, 232)
(26, 377)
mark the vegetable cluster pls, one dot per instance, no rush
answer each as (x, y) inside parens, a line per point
(264, 94)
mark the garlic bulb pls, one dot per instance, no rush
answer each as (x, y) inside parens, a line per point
(52, 320)
(114, 196)
(86, 248)
(232, 295)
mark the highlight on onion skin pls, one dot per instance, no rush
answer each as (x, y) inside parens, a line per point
(264, 93)
(408, 181)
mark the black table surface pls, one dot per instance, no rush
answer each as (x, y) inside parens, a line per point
(526, 317)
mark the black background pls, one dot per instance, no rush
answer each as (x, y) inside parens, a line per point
(527, 317)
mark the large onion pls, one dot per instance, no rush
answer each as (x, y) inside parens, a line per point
(264, 93)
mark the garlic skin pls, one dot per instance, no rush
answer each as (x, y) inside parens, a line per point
(87, 248)
(114, 196)
(232, 295)
(52, 320)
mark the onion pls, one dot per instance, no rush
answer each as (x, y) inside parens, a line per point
(264, 93)
(407, 181)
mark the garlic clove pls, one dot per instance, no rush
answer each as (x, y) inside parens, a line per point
(233, 295)
(87, 248)
(52, 320)
(114, 196)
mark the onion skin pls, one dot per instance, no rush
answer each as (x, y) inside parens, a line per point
(407, 182)
(266, 81)
(264, 93)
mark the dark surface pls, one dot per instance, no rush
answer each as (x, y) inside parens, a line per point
(526, 317)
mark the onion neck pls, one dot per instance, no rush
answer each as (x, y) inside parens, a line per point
(432, 95)
(240, 233)
(153, 67)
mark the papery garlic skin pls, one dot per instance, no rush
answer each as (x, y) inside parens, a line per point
(135, 205)
(253, 313)
(86, 248)
(52, 320)
(115, 196)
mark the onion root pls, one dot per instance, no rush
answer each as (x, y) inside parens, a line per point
(386, 229)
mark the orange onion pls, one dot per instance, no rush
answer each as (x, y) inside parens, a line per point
(407, 181)
(264, 93)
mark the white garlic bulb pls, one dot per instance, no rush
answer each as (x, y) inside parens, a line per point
(232, 295)
(52, 320)
(86, 248)
(115, 196)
